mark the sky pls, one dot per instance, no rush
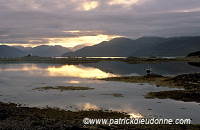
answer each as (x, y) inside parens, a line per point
(74, 22)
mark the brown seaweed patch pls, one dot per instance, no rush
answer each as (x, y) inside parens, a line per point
(183, 95)
(115, 94)
(62, 88)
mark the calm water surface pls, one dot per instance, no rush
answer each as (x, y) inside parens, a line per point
(18, 82)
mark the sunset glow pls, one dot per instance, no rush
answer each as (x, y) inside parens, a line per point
(73, 41)
(72, 22)
(89, 106)
(78, 71)
(135, 115)
(88, 5)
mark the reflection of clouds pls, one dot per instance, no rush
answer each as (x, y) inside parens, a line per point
(135, 115)
(131, 111)
(24, 67)
(74, 82)
(78, 71)
(65, 71)
(88, 106)
(21, 69)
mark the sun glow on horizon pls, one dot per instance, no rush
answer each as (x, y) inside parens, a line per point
(74, 41)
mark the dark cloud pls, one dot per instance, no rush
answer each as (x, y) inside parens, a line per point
(23, 21)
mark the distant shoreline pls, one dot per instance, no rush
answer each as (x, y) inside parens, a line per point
(79, 60)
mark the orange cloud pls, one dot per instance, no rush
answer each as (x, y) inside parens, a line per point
(87, 37)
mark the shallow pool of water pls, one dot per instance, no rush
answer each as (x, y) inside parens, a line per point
(18, 82)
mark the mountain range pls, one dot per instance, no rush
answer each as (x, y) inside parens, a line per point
(43, 51)
(7, 51)
(49, 51)
(117, 47)
(144, 46)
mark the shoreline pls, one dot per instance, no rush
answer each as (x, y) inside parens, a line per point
(13, 116)
(80, 60)
(17, 117)
(190, 83)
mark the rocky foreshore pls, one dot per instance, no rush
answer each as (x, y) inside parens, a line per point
(17, 117)
(13, 117)
(189, 82)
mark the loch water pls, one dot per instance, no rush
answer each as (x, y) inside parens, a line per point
(18, 83)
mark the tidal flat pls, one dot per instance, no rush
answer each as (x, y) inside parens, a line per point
(189, 82)
(125, 98)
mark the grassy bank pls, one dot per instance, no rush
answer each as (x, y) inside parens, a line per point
(189, 82)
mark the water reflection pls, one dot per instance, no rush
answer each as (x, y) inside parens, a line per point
(102, 69)
(197, 64)
(168, 68)
(78, 71)
(73, 82)
(57, 71)
(18, 82)
(130, 111)
(18, 67)
(135, 115)
(88, 106)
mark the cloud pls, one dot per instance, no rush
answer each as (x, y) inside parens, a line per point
(85, 32)
(36, 22)
(125, 3)
(74, 41)
(89, 5)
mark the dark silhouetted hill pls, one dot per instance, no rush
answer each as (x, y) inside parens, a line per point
(48, 51)
(22, 48)
(43, 51)
(7, 51)
(175, 46)
(115, 47)
(197, 53)
(78, 47)
(145, 46)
